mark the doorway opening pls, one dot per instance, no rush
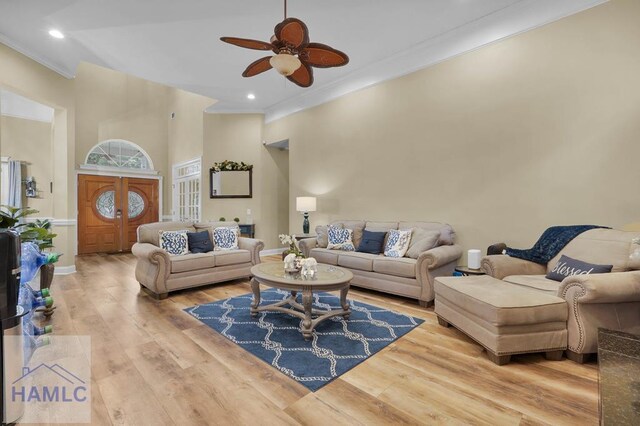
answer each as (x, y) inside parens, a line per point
(279, 152)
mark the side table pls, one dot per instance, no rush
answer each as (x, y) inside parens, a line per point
(247, 230)
(465, 271)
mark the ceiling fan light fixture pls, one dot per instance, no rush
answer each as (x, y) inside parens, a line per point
(295, 57)
(285, 63)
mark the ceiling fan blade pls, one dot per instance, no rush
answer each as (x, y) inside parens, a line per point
(303, 76)
(247, 43)
(322, 56)
(257, 67)
(292, 32)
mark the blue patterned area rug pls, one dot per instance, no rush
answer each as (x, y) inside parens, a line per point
(275, 337)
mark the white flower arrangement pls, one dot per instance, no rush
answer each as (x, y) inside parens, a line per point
(291, 241)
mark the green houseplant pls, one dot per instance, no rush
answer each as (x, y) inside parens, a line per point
(38, 232)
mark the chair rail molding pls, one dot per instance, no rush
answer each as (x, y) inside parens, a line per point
(54, 221)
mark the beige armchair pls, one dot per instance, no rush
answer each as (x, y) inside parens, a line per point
(595, 301)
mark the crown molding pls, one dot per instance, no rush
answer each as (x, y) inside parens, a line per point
(523, 16)
(217, 108)
(520, 17)
(39, 59)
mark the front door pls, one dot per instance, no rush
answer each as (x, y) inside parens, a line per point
(110, 209)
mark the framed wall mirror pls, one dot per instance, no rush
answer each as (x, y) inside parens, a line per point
(230, 183)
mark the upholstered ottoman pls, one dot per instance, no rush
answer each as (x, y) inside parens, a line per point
(504, 318)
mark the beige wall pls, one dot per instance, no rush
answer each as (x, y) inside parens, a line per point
(238, 137)
(31, 141)
(537, 130)
(114, 105)
(26, 77)
(186, 129)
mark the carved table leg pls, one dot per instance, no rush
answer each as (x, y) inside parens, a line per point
(255, 287)
(307, 301)
(344, 303)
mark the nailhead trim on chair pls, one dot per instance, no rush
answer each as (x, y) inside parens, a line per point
(575, 313)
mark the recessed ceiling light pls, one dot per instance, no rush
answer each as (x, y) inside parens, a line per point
(56, 34)
(251, 96)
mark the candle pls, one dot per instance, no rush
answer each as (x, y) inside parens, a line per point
(473, 258)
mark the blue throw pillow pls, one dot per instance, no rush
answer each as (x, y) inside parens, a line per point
(199, 242)
(372, 242)
(567, 266)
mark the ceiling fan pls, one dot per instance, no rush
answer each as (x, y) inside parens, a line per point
(294, 54)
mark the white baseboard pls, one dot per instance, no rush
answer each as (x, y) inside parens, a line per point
(64, 270)
(272, 252)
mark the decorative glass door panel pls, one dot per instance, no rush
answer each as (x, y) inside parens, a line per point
(186, 191)
(110, 209)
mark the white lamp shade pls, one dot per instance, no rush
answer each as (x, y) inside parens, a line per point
(285, 63)
(306, 204)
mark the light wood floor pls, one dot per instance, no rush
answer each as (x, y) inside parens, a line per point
(154, 364)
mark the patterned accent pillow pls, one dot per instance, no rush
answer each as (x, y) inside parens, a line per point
(225, 238)
(175, 243)
(397, 242)
(340, 239)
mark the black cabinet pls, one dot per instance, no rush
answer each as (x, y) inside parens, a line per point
(247, 230)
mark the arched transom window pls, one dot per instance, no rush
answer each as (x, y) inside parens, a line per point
(119, 154)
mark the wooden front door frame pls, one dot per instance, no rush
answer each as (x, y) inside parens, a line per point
(115, 174)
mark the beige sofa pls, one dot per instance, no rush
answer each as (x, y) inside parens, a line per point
(160, 273)
(609, 300)
(404, 276)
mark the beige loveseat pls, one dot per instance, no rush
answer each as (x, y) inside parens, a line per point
(402, 276)
(610, 300)
(160, 273)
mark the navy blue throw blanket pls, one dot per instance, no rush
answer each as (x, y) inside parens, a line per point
(550, 243)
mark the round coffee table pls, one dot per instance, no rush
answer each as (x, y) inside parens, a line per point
(327, 278)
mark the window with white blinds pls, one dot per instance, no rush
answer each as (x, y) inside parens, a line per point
(186, 191)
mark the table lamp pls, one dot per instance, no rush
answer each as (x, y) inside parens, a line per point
(306, 205)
